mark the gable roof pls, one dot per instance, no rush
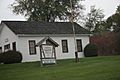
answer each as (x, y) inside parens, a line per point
(47, 38)
(33, 27)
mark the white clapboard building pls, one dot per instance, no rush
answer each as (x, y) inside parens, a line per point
(23, 36)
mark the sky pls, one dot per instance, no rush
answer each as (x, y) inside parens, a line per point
(108, 6)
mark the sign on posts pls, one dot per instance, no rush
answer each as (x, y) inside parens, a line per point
(48, 54)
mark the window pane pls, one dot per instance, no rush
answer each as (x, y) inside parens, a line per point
(79, 45)
(64, 46)
(32, 47)
(6, 47)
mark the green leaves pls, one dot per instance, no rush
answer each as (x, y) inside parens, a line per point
(94, 19)
(114, 21)
(44, 10)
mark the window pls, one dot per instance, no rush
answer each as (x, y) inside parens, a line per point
(14, 46)
(32, 48)
(79, 45)
(6, 47)
(0, 49)
(64, 46)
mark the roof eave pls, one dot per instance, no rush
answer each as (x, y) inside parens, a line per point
(45, 35)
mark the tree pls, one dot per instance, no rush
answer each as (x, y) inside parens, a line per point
(113, 22)
(46, 10)
(94, 19)
(100, 28)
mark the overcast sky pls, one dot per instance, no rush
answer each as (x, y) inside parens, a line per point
(109, 7)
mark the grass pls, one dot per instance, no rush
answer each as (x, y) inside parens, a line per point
(96, 68)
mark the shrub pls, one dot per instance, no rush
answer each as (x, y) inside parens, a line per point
(1, 57)
(12, 57)
(106, 43)
(90, 50)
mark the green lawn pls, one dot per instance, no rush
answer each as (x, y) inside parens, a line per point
(97, 68)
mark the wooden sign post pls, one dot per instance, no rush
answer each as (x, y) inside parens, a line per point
(47, 54)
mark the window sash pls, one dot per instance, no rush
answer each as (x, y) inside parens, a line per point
(32, 48)
(79, 45)
(64, 46)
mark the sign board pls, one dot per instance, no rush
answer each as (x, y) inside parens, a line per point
(48, 56)
(48, 51)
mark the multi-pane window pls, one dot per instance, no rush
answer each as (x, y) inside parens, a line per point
(79, 45)
(64, 46)
(32, 48)
(6, 47)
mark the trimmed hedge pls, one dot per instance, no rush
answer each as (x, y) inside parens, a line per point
(11, 57)
(1, 57)
(90, 50)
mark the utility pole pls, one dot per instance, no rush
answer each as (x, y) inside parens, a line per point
(73, 27)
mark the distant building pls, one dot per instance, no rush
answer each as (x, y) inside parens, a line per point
(24, 35)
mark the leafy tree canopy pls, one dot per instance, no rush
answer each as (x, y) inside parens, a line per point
(46, 10)
(94, 19)
(113, 22)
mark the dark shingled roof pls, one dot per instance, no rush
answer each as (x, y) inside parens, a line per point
(33, 27)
